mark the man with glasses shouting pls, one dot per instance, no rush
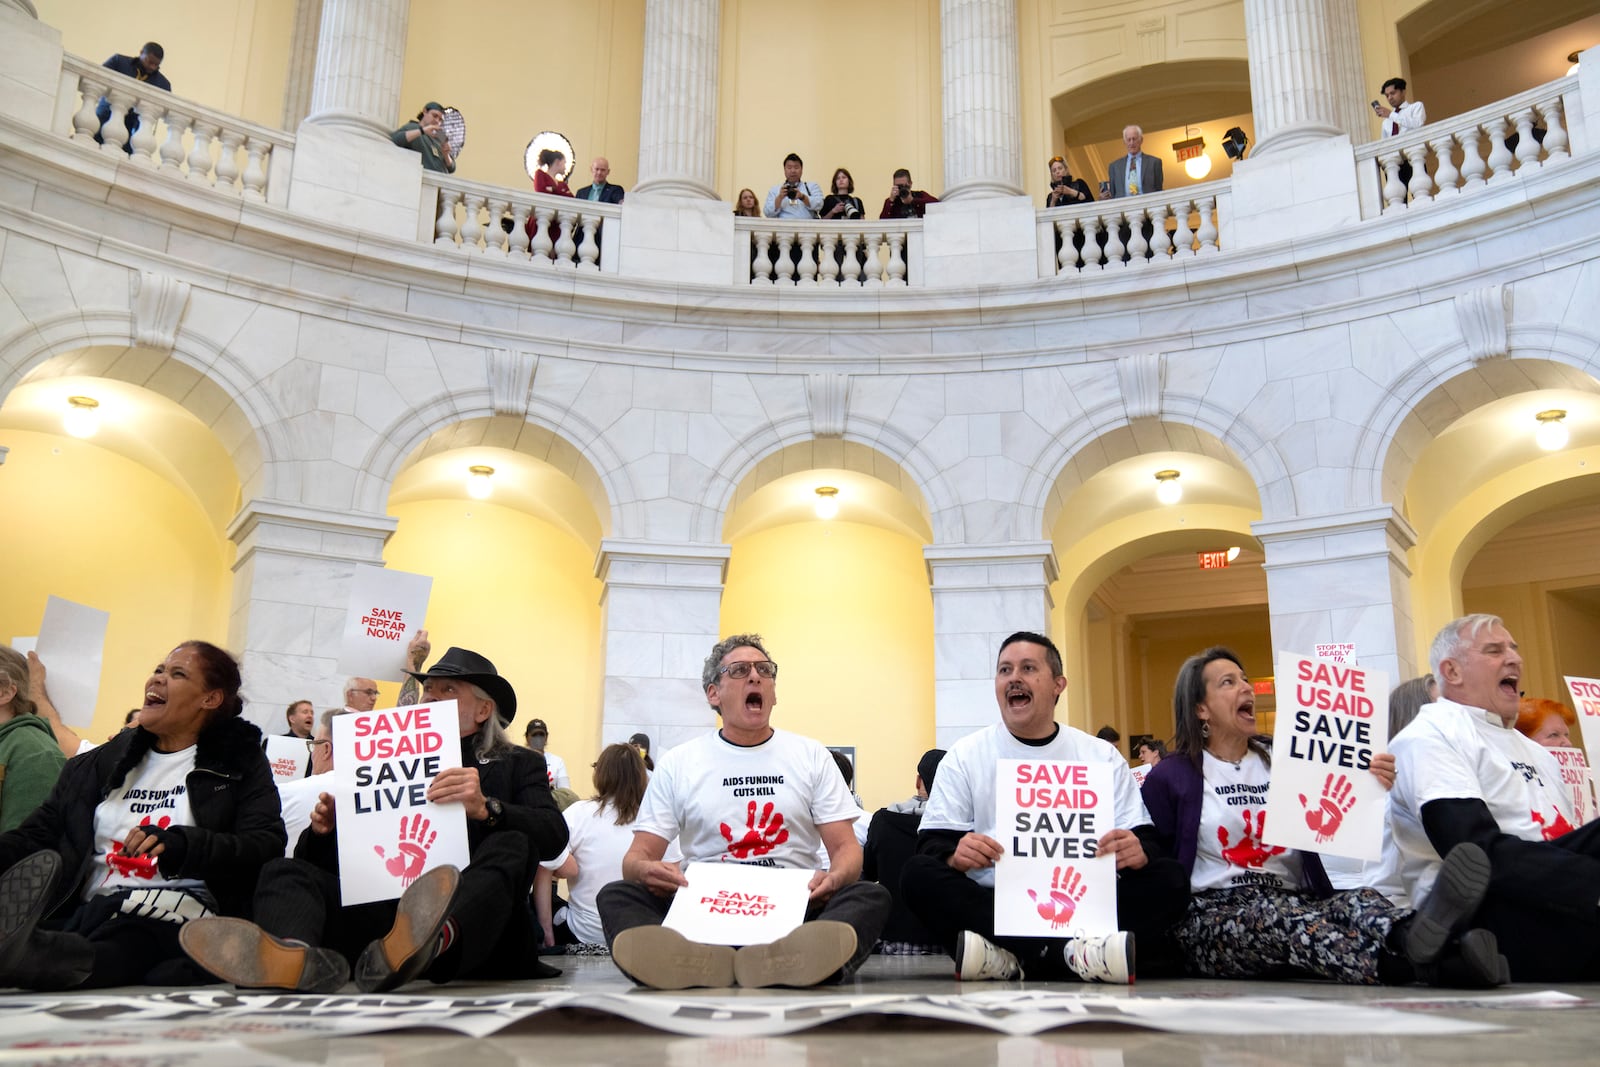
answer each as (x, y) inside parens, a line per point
(747, 793)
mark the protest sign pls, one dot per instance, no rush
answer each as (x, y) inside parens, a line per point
(1051, 816)
(1332, 719)
(288, 756)
(1337, 651)
(389, 834)
(71, 645)
(1586, 699)
(739, 903)
(1141, 771)
(385, 606)
(24, 645)
(1576, 779)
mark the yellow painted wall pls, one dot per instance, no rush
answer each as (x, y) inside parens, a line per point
(846, 612)
(96, 528)
(839, 82)
(523, 593)
(232, 55)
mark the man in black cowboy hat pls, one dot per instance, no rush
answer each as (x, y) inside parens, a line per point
(448, 923)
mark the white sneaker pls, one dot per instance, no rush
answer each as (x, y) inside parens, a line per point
(979, 959)
(1101, 959)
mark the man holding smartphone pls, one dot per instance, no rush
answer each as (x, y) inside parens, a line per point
(1399, 117)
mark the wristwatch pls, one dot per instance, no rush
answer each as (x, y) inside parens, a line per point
(496, 809)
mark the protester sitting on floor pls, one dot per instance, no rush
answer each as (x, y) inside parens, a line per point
(300, 795)
(165, 823)
(447, 923)
(30, 759)
(694, 796)
(1546, 722)
(891, 841)
(1407, 698)
(599, 834)
(1259, 910)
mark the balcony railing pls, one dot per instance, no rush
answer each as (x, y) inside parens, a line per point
(175, 135)
(567, 234)
(1134, 231)
(1468, 152)
(818, 254)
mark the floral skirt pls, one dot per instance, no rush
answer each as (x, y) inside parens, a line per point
(1259, 931)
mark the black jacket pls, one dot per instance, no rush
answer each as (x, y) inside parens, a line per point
(611, 194)
(237, 823)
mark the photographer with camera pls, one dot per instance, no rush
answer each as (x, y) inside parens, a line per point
(793, 198)
(905, 202)
(1065, 190)
(839, 204)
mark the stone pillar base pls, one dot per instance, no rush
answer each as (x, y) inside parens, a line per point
(350, 179)
(1306, 190)
(670, 238)
(31, 75)
(980, 241)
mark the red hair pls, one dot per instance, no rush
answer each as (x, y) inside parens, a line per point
(1532, 711)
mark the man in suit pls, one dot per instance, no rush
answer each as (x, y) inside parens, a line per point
(145, 67)
(600, 189)
(1134, 173)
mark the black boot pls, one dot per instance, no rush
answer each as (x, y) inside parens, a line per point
(1473, 962)
(30, 959)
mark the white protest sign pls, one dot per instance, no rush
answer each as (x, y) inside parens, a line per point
(71, 645)
(1338, 651)
(1141, 771)
(288, 756)
(385, 606)
(1576, 779)
(383, 761)
(24, 645)
(1051, 816)
(1586, 699)
(739, 903)
(1332, 719)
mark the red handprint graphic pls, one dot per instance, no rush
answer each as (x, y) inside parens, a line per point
(1249, 852)
(412, 849)
(135, 866)
(761, 835)
(1551, 831)
(1066, 890)
(1338, 797)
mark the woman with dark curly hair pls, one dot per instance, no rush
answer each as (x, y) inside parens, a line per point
(168, 821)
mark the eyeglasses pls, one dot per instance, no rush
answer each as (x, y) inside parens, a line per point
(367, 692)
(313, 742)
(741, 670)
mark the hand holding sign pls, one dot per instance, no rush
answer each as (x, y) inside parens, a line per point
(1337, 798)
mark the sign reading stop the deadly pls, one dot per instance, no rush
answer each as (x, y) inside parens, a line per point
(1332, 719)
(1586, 698)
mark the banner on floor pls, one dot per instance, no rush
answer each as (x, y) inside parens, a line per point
(71, 645)
(1577, 780)
(385, 605)
(288, 756)
(1332, 718)
(389, 834)
(739, 903)
(1050, 817)
(1586, 699)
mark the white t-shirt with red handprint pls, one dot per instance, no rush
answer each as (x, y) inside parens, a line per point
(1233, 811)
(1455, 752)
(154, 793)
(759, 805)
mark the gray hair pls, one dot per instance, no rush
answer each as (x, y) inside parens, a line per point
(708, 672)
(1134, 127)
(349, 684)
(1457, 636)
(327, 717)
(491, 739)
(1406, 700)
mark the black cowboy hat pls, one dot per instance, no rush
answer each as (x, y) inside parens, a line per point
(470, 667)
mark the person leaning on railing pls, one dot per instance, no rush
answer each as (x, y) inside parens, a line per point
(1065, 190)
(145, 67)
(425, 136)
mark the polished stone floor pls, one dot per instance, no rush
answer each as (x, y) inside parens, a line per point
(579, 1038)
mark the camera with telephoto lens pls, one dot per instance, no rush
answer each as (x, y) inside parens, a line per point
(790, 190)
(851, 211)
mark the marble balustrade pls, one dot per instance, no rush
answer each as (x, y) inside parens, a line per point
(1463, 153)
(174, 135)
(1136, 231)
(832, 255)
(566, 236)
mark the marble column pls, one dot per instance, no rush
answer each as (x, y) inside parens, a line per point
(662, 611)
(981, 595)
(1293, 78)
(678, 101)
(982, 99)
(1344, 577)
(291, 591)
(302, 62)
(360, 49)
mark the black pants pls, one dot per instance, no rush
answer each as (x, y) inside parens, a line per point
(864, 906)
(1150, 902)
(299, 900)
(1545, 942)
(128, 949)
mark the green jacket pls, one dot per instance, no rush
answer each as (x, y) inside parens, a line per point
(30, 761)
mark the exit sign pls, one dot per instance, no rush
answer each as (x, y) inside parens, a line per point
(1262, 687)
(1211, 561)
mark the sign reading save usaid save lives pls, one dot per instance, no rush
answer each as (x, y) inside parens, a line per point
(1332, 719)
(389, 834)
(1050, 817)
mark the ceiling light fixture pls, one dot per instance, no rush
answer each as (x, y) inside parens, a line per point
(1233, 553)
(83, 416)
(1552, 432)
(827, 504)
(1192, 154)
(479, 485)
(1168, 491)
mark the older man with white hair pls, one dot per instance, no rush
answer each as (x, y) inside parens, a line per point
(1465, 775)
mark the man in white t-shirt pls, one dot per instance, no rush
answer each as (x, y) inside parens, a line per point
(299, 795)
(1464, 773)
(746, 793)
(949, 884)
